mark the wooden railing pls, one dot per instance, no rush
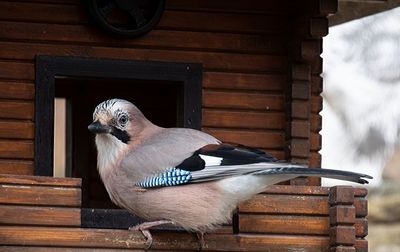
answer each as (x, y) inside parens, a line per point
(44, 214)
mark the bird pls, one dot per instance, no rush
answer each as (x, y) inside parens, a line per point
(182, 176)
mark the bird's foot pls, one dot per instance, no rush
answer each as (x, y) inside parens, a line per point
(144, 228)
(200, 238)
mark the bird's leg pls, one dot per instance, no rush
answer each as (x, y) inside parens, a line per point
(144, 228)
(200, 238)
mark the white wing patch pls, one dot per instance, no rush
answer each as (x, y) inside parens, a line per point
(210, 160)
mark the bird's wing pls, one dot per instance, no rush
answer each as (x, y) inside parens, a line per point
(219, 161)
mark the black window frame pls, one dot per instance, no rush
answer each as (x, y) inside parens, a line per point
(47, 68)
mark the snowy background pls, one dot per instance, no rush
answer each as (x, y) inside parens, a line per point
(361, 115)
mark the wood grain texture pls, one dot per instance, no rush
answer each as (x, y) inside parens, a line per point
(40, 195)
(255, 101)
(222, 80)
(16, 149)
(40, 181)
(17, 129)
(17, 90)
(16, 70)
(101, 238)
(178, 20)
(283, 224)
(256, 139)
(238, 119)
(286, 204)
(210, 60)
(41, 216)
(17, 167)
(77, 34)
(16, 109)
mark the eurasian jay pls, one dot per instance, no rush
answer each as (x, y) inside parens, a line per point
(182, 176)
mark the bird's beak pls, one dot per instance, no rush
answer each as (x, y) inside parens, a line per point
(98, 128)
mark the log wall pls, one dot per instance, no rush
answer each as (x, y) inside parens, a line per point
(243, 48)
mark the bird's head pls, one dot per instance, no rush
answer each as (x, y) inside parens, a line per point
(119, 119)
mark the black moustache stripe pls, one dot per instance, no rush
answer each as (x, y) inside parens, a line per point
(121, 135)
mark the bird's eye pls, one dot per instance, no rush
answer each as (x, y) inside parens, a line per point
(122, 120)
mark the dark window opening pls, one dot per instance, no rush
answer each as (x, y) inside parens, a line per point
(169, 94)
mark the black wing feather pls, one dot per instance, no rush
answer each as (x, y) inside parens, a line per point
(230, 155)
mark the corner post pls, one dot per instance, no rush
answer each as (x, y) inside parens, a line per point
(342, 218)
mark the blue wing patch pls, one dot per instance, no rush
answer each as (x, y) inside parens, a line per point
(171, 177)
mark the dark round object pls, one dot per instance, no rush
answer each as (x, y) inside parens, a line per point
(127, 18)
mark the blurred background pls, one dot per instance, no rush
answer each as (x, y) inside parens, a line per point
(361, 115)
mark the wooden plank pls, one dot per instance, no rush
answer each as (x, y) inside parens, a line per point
(236, 100)
(315, 141)
(174, 20)
(17, 129)
(266, 82)
(40, 195)
(43, 216)
(361, 226)
(279, 243)
(231, 6)
(43, 12)
(300, 148)
(63, 249)
(300, 110)
(210, 60)
(256, 139)
(286, 204)
(298, 190)
(301, 90)
(238, 119)
(26, 31)
(40, 181)
(223, 22)
(17, 90)
(283, 224)
(16, 149)
(16, 70)
(300, 129)
(16, 109)
(100, 238)
(17, 167)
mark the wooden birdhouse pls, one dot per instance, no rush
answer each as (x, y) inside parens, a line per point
(247, 72)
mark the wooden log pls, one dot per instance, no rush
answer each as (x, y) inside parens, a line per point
(283, 224)
(211, 60)
(301, 72)
(17, 90)
(40, 181)
(301, 90)
(300, 129)
(238, 119)
(342, 233)
(265, 82)
(101, 238)
(16, 70)
(40, 195)
(173, 20)
(236, 100)
(16, 129)
(16, 149)
(286, 204)
(300, 148)
(188, 40)
(256, 139)
(16, 109)
(42, 216)
(17, 167)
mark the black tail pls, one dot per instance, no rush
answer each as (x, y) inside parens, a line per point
(318, 172)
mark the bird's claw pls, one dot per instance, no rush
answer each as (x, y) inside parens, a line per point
(144, 228)
(146, 233)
